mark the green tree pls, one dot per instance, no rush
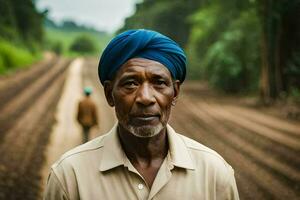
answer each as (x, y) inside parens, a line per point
(167, 17)
(20, 20)
(223, 47)
(280, 71)
(83, 44)
(7, 20)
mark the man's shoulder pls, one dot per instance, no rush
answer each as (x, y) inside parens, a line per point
(202, 153)
(79, 153)
(217, 171)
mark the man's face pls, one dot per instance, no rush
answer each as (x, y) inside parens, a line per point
(142, 93)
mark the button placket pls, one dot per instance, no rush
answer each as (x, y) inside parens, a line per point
(142, 190)
(140, 186)
(138, 182)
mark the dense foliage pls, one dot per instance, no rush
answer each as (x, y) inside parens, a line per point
(226, 41)
(21, 21)
(221, 46)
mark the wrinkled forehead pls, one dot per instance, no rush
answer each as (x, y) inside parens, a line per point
(142, 66)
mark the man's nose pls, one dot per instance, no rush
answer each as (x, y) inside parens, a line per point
(145, 95)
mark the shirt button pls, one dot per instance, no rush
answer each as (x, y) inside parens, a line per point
(140, 186)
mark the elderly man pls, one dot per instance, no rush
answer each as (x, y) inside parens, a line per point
(142, 157)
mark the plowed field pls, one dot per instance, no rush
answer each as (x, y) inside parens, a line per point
(262, 148)
(28, 101)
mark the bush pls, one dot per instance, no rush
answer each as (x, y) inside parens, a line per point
(57, 48)
(13, 57)
(83, 44)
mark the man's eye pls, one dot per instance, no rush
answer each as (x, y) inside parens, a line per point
(160, 82)
(130, 84)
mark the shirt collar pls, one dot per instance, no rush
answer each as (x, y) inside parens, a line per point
(179, 154)
(114, 156)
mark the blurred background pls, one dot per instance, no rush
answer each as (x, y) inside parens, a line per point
(241, 97)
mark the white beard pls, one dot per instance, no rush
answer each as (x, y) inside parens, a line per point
(145, 131)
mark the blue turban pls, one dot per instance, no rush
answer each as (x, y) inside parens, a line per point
(142, 44)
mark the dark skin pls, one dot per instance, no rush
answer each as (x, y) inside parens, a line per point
(142, 93)
(146, 155)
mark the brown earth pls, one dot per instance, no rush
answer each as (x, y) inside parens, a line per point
(263, 149)
(27, 115)
(262, 145)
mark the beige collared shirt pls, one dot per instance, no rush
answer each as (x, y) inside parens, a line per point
(100, 169)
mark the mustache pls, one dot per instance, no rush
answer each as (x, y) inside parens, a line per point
(144, 113)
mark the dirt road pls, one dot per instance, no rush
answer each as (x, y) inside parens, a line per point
(262, 148)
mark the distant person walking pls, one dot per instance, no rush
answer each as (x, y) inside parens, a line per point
(87, 113)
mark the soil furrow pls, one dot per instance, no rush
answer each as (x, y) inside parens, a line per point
(27, 97)
(20, 165)
(14, 84)
(285, 171)
(270, 121)
(27, 178)
(33, 141)
(24, 130)
(35, 155)
(277, 151)
(259, 129)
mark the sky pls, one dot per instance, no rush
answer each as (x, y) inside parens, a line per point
(105, 15)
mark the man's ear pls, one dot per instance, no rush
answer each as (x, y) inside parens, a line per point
(108, 88)
(176, 86)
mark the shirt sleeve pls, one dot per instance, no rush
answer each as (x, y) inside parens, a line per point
(54, 189)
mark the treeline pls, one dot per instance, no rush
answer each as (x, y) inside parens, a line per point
(69, 25)
(72, 39)
(238, 46)
(21, 22)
